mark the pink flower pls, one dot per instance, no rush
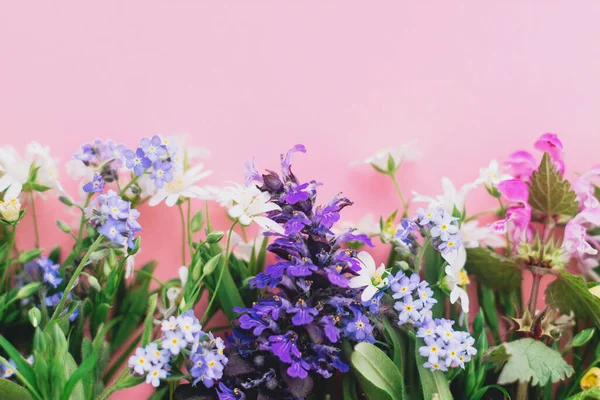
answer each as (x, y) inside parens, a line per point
(514, 190)
(574, 240)
(522, 164)
(519, 217)
(584, 188)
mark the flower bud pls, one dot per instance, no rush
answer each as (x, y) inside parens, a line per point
(10, 209)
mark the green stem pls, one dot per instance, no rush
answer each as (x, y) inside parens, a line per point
(535, 287)
(420, 254)
(11, 243)
(523, 391)
(190, 235)
(131, 182)
(480, 214)
(221, 274)
(149, 275)
(405, 204)
(113, 387)
(183, 229)
(76, 274)
(35, 224)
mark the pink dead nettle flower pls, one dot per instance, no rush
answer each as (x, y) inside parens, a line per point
(584, 188)
(523, 163)
(519, 214)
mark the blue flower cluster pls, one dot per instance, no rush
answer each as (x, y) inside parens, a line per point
(444, 347)
(104, 157)
(114, 218)
(153, 153)
(44, 270)
(288, 341)
(203, 353)
(436, 223)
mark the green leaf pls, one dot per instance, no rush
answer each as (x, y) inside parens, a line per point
(12, 391)
(432, 383)
(197, 221)
(593, 393)
(397, 344)
(570, 293)
(527, 360)
(85, 368)
(493, 270)
(549, 193)
(28, 290)
(479, 394)
(29, 255)
(22, 365)
(148, 324)
(582, 337)
(379, 376)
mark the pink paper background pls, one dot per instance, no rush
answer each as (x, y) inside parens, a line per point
(470, 81)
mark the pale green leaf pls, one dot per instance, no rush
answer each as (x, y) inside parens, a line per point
(379, 376)
(528, 360)
(12, 391)
(549, 193)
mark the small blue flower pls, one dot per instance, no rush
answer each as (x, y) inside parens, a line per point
(360, 329)
(114, 230)
(161, 173)
(154, 148)
(137, 161)
(95, 186)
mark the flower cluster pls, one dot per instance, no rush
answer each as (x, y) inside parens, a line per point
(444, 347)
(288, 341)
(114, 218)
(443, 228)
(182, 336)
(97, 162)
(44, 270)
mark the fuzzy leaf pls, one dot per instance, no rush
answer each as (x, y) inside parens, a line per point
(570, 293)
(527, 360)
(549, 193)
(493, 270)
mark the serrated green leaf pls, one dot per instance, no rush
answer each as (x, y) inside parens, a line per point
(377, 372)
(527, 360)
(549, 193)
(570, 293)
(493, 270)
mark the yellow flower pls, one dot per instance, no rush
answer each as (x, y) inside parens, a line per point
(595, 290)
(10, 209)
(591, 379)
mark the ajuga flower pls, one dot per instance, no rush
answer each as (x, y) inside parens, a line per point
(289, 340)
